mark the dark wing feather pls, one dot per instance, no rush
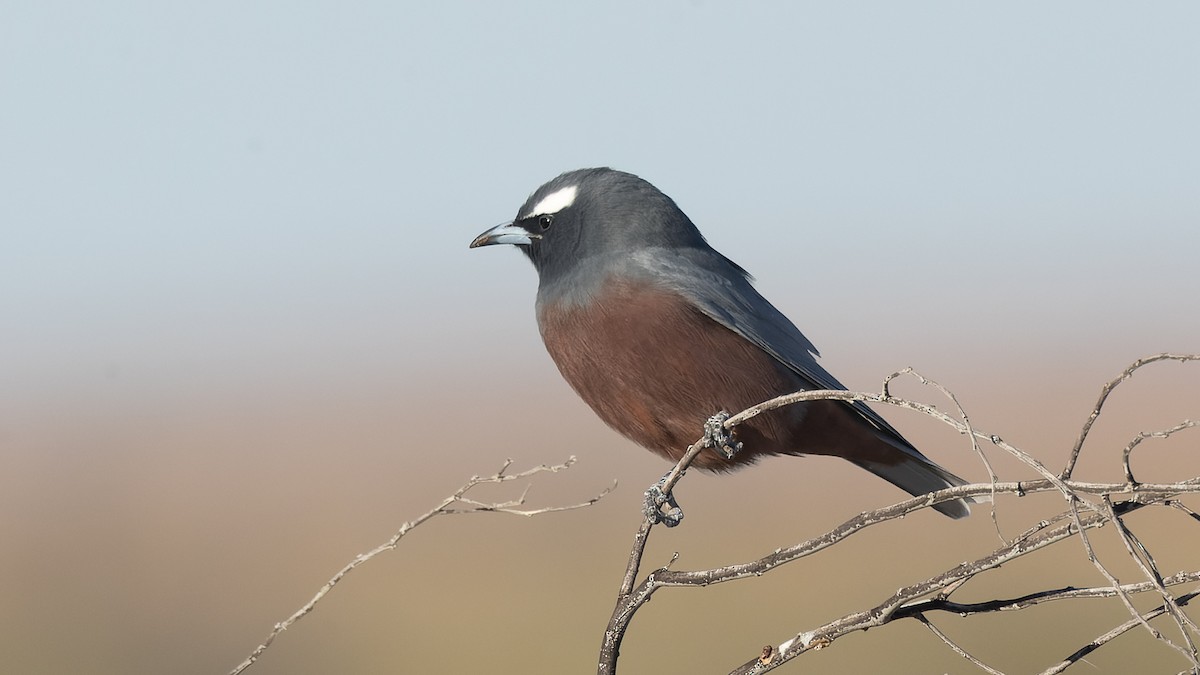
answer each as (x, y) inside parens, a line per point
(723, 291)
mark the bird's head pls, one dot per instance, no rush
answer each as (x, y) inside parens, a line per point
(590, 213)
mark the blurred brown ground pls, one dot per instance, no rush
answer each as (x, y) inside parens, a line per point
(169, 536)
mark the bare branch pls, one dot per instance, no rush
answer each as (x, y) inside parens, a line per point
(1113, 634)
(1144, 560)
(970, 431)
(1089, 505)
(943, 604)
(627, 603)
(445, 508)
(957, 649)
(1137, 440)
(1108, 389)
(1116, 585)
(1179, 505)
(884, 612)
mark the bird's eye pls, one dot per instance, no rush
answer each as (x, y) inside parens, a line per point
(544, 222)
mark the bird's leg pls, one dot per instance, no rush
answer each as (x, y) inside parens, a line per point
(717, 437)
(656, 499)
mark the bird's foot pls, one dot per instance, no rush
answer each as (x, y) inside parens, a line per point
(656, 499)
(717, 437)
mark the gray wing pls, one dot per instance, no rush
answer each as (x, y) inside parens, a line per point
(722, 290)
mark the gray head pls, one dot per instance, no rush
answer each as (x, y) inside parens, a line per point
(593, 212)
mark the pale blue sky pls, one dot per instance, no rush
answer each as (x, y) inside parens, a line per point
(227, 186)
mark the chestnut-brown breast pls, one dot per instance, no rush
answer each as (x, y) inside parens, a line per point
(654, 367)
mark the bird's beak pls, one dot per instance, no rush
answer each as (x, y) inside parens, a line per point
(505, 233)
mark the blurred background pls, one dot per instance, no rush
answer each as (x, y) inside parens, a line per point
(242, 338)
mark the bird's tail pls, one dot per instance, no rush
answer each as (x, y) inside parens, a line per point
(918, 476)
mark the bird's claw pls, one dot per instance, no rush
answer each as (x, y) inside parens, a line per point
(717, 437)
(656, 499)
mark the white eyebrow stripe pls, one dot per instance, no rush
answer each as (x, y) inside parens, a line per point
(554, 202)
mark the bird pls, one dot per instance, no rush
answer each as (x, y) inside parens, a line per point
(656, 331)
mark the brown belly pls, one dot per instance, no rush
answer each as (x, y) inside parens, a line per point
(655, 368)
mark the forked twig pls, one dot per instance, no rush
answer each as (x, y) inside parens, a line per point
(445, 508)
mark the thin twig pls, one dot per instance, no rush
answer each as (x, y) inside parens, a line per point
(442, 509)
(1183, 507)
(1145, 561)
(940, 604)
(970, 432)
(1111, 635)
(1090, 551)
(954, 646)
(1143, 435)
(627, 603)
(883, 613)
(1108, 389)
